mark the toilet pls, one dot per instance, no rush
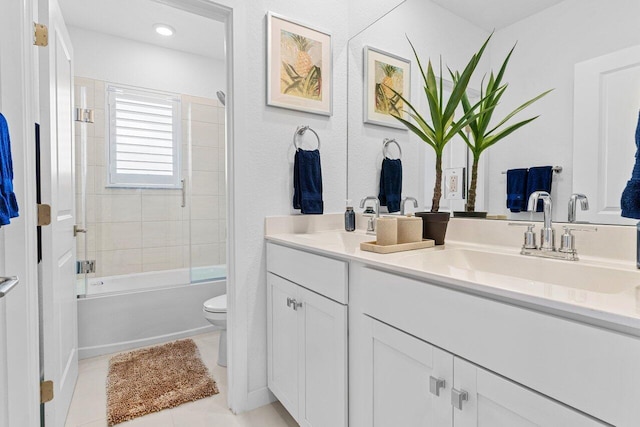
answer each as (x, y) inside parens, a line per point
(215, 311)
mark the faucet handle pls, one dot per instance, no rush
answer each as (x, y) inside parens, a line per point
(568, 240)
(529, 235)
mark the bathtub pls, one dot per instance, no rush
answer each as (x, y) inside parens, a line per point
(119, 313)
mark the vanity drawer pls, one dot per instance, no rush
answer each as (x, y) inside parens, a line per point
(588, 368)
(326, 276)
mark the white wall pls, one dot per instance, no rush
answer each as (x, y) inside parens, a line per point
(429, 27)
(363, 12)
(550, 43)
(262, 154)
(104, 57)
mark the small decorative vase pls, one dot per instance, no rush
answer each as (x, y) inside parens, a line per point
(434, 225)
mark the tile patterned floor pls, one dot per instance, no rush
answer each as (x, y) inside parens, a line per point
(88, 406)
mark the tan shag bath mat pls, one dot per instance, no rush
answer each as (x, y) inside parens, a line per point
(156, 378)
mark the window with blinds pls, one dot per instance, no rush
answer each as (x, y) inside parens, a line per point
(144, 138)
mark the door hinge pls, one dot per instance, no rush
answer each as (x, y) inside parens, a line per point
(86, 266)
(44, 214)
(46, 391)
(40, 34)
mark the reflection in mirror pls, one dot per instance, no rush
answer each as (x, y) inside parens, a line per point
(586, 50)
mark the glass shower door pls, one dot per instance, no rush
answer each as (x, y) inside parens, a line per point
(206, 189)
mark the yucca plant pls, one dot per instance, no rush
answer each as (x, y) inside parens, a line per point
(443, 126)
(479, 136)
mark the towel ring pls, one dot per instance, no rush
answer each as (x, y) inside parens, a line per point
(300, 131)
(385, 147)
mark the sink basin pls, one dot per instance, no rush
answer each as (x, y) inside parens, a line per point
(517, 272)
(343, 240)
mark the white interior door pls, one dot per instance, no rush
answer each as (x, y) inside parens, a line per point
(58, 269)
(606, 107)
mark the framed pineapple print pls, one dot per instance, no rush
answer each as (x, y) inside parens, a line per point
(385, 73)
(299, 73)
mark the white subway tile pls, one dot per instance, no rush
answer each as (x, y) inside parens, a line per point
(204, 231)
(204, 158)
(204, 183)
(162, 233)
(119, 261)
(119, 208)
(119, 235)
(162, 207)
(204, 207)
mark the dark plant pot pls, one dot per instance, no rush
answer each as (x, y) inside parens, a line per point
(434, 225)
(465, 214)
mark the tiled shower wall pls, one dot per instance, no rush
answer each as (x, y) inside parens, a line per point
(138, 230)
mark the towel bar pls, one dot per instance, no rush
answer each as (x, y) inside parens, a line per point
(300, 131)
(556, 169)
(385, 146)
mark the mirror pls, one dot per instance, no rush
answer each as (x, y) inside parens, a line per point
(585, 50)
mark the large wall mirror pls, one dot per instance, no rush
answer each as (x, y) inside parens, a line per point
(586, 50)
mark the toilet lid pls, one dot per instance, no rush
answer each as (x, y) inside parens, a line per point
(217, 304)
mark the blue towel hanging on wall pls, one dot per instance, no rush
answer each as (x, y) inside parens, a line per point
(390, 184)
(8, 202)
(539, 179)
(517, 189)
(307, 182)
(630, 202)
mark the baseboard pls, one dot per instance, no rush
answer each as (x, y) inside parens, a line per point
(87, 352)
(260, 397)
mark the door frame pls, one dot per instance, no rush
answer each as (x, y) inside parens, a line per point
(237, 375)
(18, 242)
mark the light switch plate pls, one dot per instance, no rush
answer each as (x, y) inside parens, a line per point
(454, 184)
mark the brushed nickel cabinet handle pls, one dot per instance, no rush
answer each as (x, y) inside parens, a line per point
(457, 397)
(435, 384)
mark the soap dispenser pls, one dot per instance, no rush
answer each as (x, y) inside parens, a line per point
(349, 217)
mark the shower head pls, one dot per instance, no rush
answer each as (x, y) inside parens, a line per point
(221, 97)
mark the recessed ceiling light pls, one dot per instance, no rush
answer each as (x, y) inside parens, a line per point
(164, 29)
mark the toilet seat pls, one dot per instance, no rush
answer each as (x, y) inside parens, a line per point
(216, 305)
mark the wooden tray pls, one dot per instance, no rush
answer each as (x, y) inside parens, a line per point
(387, 249)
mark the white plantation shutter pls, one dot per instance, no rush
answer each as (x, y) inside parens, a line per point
(144, 138)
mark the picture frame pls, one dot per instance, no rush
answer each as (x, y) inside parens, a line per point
(383, 71)
(299, 66)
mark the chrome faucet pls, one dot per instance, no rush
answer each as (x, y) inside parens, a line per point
(584, 204)
(547, 235)
(547, 248)
(371, 224)
(403, 201)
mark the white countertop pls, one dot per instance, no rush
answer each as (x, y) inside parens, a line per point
(526, 281)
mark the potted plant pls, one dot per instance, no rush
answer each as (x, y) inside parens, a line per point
(479, 135)
(441, 130)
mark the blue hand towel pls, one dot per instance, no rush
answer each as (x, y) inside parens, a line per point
(390, 184)
(539, 179)
(8, 202)
(517, 189)
(307, 182)
(630, 201)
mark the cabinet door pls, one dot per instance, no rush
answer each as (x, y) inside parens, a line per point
(283, 342)
(497, 402)
(323, 382)
(401, 367)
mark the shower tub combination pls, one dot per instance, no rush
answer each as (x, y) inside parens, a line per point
(119, 313)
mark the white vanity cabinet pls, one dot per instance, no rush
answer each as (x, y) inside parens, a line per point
(518, 367)
(410, 382)
(307, 335)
